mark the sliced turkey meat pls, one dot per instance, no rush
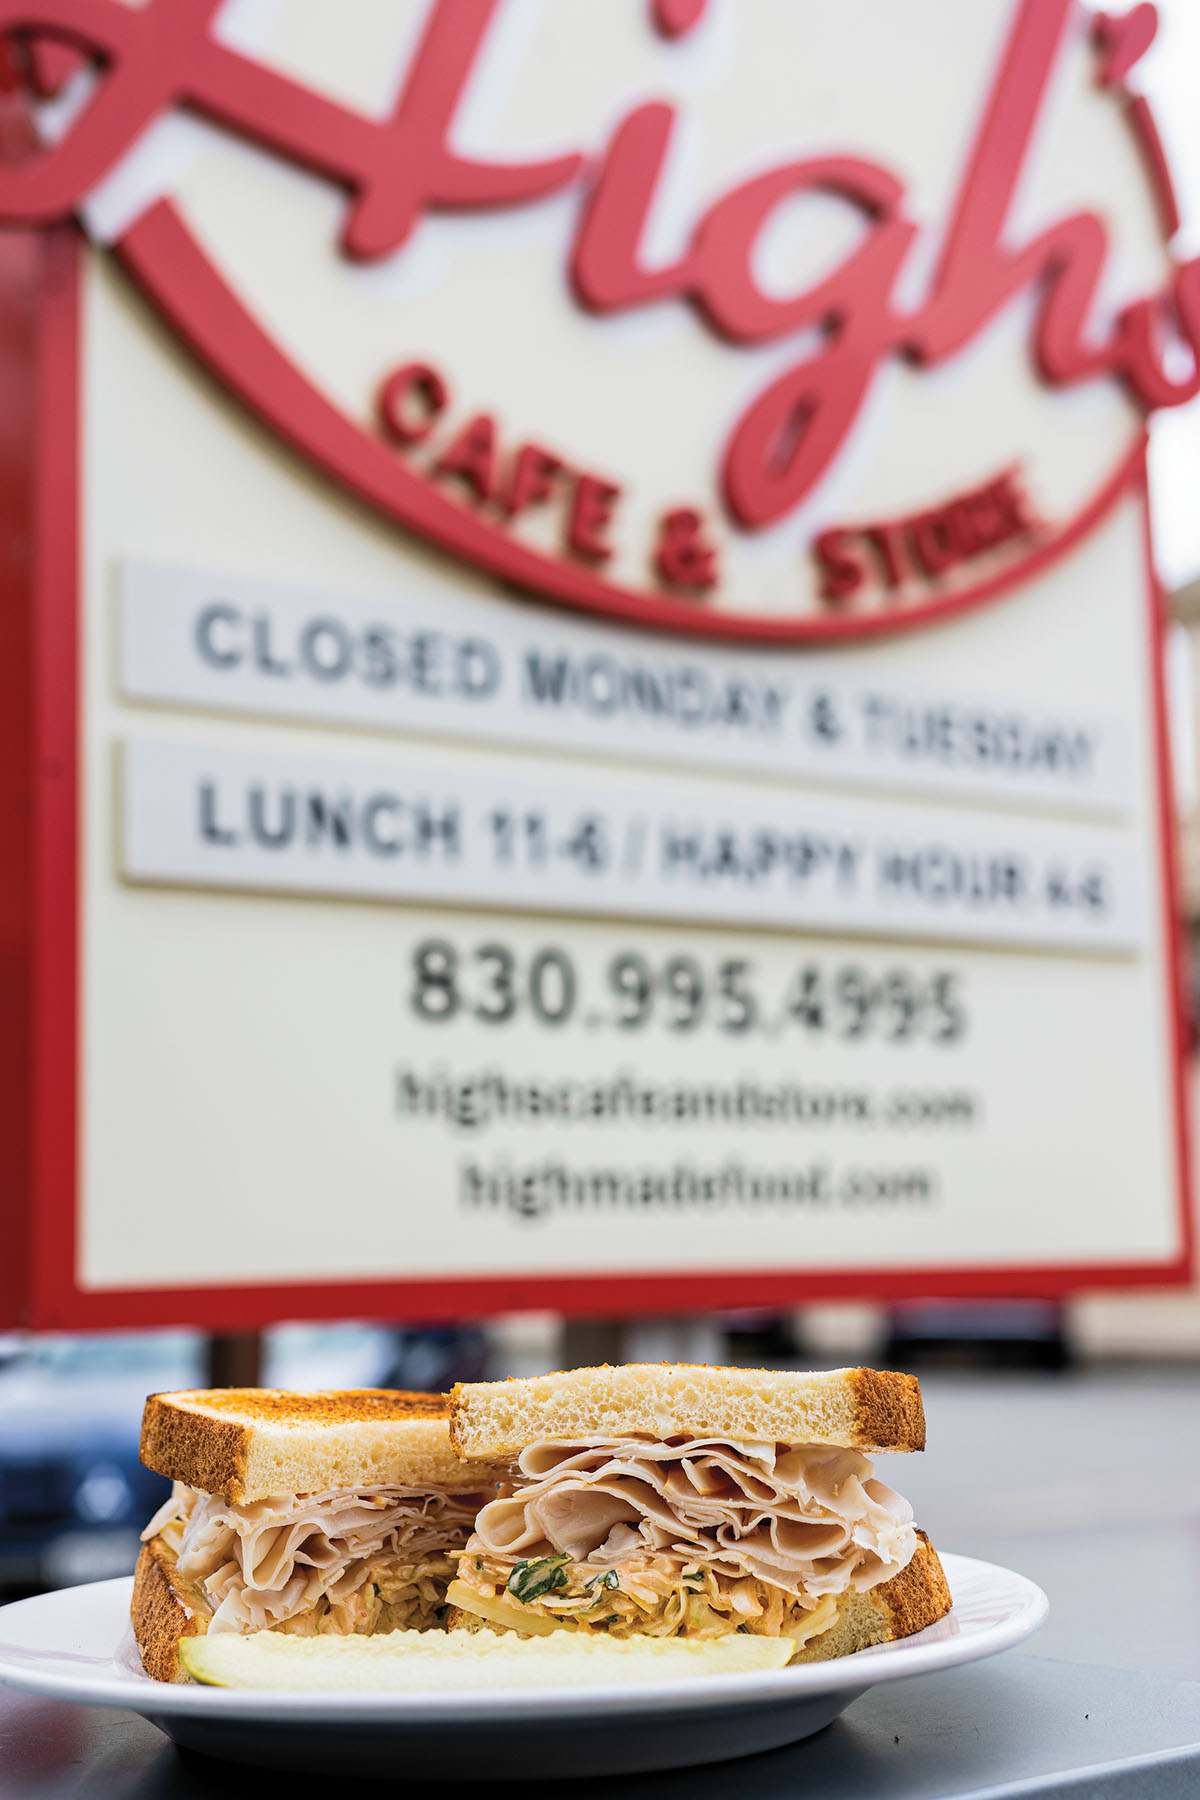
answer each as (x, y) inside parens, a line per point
(811, 1520)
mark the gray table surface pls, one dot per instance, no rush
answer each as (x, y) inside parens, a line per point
(1088, 1483)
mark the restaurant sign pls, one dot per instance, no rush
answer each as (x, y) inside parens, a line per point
(597, 733)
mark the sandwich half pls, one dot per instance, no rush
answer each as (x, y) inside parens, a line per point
(334, 1512)
(693, 1502)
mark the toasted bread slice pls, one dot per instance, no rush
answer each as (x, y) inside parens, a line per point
(918, 1596)
(164, 1610)
(247, 1443)
(856, 1409)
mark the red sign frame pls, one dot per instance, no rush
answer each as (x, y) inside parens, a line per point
(40, 921)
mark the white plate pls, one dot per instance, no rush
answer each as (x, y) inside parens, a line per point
(76, 1644)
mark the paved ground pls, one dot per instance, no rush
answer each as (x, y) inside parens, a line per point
(1087, 1482)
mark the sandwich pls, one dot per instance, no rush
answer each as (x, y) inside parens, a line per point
(675, 1501)
(304, 1513)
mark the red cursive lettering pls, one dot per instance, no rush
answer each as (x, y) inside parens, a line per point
(685, 556)
(532, 479)
(409, 402)
(164, 54)
(888, 554)
(590, 516)
(472, 456)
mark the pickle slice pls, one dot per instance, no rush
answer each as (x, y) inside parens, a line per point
(426, 1661)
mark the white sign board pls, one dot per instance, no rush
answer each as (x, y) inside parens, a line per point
(620, 741)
